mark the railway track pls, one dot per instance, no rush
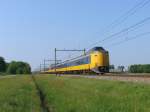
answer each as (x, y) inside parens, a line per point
(127, 75)
(115, 75)
(138, 78)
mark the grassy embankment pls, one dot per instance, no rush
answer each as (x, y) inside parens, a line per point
(66, 94)
(18, 94)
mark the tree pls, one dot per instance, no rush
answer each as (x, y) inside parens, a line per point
(2, 64)
(112, 67)
(19, 68)
(7, 65)
(121, 68)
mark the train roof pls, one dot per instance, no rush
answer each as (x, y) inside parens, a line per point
(96, 49)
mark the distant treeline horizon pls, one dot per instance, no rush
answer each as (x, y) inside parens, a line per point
(134, 68)
(14, 67)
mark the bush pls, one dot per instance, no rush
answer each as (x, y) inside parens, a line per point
(140, 68)
(19, 68)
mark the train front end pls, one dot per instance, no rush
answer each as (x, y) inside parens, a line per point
(99, 60)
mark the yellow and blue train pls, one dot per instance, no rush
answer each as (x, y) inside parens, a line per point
(95, 60)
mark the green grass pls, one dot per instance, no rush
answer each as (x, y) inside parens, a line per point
(72, 94)
(66, 94)
(18, 94)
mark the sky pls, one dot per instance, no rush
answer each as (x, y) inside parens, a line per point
(31, 29)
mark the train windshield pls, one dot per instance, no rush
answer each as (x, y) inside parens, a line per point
(97, 49)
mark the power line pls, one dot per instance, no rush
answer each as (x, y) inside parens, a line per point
(129, 13)
(135, 37)
(126, 32)
(135, 26)
(122, 18)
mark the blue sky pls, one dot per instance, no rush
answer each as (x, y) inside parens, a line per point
(31, 29)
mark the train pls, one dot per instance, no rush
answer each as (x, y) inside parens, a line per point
(96, 60)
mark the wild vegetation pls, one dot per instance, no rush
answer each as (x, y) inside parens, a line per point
(18, 94)
(66, 94)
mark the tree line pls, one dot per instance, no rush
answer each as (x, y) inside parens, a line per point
(145, 68)
(14, 67)
(136, 68)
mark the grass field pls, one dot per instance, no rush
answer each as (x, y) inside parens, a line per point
(66, 94)
(71, 94)
(18, 94)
